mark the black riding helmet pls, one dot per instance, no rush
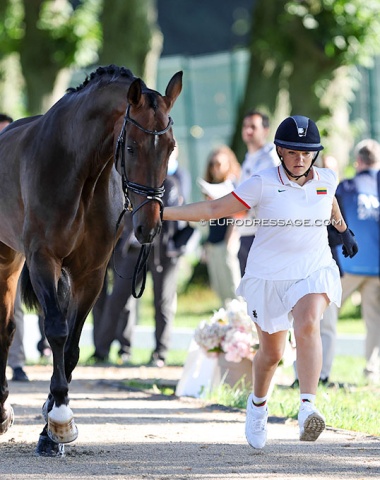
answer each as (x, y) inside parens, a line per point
(298, 133)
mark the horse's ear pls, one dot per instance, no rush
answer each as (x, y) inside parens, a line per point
(134, 96)
(173, 89)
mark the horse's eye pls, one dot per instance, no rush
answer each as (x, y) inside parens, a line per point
(130, 150)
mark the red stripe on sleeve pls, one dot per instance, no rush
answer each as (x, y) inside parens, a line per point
(241, 201)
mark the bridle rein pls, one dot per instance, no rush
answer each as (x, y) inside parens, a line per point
(152, 194)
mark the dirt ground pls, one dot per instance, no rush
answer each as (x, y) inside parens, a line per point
(126, 434)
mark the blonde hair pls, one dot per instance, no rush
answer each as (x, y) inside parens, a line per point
(233, 172)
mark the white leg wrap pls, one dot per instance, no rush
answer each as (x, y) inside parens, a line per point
(61, 425)
(8, 422)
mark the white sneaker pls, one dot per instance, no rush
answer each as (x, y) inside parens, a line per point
(256, 424)
(310, 421)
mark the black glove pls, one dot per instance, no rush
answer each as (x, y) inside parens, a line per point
(350, 247)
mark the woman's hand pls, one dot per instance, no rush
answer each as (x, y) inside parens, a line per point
(350, 246)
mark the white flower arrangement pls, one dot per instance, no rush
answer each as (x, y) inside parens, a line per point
(230, 331)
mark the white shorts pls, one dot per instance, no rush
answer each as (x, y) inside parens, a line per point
(270, 303)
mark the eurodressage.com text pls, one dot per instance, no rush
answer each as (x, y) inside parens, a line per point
(270, 222)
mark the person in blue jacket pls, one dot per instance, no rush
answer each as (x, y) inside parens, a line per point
(359, 201)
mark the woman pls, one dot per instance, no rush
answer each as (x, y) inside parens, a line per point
(222, 243)
(291, 276)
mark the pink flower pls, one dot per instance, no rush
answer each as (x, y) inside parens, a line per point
(230, 331)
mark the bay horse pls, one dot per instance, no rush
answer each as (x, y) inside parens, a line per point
(65, 178)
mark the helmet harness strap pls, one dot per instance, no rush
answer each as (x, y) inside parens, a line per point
(296, 177)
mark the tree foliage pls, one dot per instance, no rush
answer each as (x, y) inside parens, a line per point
(51, 37)
(48, 36)
(297, 47)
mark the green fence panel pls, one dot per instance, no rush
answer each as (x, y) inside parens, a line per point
(205, 113)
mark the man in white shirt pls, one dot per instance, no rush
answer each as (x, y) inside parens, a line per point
(260, 155)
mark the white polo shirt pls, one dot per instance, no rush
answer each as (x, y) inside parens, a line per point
(291, 240)
(253, 163)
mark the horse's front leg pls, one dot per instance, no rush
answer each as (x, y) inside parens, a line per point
(51, 286)
(85, 298)
(61, 425)
(87, 290)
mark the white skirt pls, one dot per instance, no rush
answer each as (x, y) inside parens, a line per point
(270, 303)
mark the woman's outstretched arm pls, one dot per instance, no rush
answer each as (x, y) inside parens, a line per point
(337, 219)
(207, 210)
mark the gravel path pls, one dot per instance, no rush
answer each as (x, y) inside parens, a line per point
(126, 434)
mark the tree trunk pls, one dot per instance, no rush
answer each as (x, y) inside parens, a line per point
(131, 37)
(36, 57)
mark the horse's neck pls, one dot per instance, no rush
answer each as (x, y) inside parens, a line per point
(95, 118)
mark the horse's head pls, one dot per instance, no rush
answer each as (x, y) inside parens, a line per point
(144, 146)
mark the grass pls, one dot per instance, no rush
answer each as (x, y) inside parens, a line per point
(353, 405)
(350, 321)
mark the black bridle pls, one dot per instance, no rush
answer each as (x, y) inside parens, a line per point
(152, 194)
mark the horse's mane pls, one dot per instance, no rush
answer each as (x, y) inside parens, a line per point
(100, 73)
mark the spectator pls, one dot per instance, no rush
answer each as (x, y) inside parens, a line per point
(5, 120)
(260, 155)
(222, 243)
(43, 345)
(16, 357)
(126, 320)
(359, 202)
(180, 174)
(163, 266)
(128, 316)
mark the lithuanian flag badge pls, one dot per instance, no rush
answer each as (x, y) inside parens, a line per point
(322, 191)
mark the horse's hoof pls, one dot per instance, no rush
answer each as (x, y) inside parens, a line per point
(8, 422)
(61, 425)
(46, 447)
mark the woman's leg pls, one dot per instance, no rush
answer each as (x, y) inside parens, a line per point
(264, 365)
(307, 315)
(266, 360)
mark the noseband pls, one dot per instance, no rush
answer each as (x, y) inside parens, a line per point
(151, 193)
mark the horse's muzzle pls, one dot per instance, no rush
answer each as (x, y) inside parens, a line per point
(145, 234)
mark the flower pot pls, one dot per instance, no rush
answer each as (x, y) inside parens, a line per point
(233, 373)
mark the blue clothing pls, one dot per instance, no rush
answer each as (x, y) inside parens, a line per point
(358, 199)
(217, 231)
